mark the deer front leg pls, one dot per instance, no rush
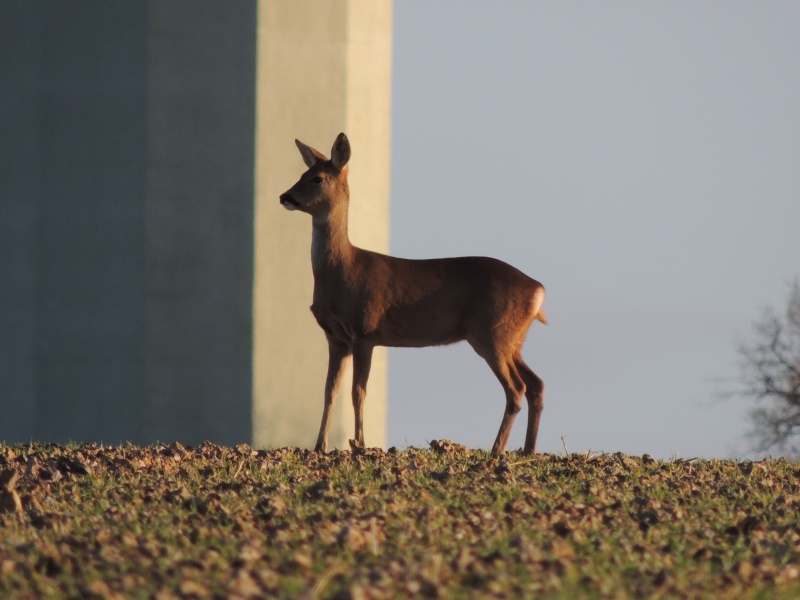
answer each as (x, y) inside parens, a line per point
(362, 363)
(338, 357)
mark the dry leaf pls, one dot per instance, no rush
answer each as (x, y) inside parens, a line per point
(244, 585)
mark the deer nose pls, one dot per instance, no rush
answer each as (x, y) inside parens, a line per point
(287, 200)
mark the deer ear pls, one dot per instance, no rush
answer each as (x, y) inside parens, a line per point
(310, 156)
(340, 153)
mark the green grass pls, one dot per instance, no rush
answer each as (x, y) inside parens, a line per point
(172, 522)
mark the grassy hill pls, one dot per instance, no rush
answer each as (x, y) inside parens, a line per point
(445, 522)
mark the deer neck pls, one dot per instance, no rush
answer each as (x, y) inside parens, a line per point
(330, 244)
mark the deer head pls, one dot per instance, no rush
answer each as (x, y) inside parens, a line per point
(324, 184)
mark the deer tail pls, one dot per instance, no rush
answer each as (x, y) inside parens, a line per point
(538, 299)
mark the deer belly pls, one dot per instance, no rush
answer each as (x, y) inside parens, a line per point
(419, 330)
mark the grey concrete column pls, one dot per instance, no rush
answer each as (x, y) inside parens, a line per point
(73, 147)
(198, 214)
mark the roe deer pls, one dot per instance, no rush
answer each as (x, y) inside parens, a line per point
(363, 299)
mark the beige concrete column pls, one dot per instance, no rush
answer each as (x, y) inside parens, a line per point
(322, 68)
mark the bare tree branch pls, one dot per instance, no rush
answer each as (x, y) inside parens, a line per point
(770, 376)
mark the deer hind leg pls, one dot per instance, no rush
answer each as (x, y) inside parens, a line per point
(534, 394)
(362, 363)
(513, 384)
(338, 357)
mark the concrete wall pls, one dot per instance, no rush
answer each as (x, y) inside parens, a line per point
(199, 220)
(20, 192)
(73, 141)
(152, 286)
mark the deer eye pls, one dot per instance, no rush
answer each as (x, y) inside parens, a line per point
(316, 179)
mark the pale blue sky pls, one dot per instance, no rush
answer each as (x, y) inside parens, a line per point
(642, 160)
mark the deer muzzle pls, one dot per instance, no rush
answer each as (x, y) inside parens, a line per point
(288, 202)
